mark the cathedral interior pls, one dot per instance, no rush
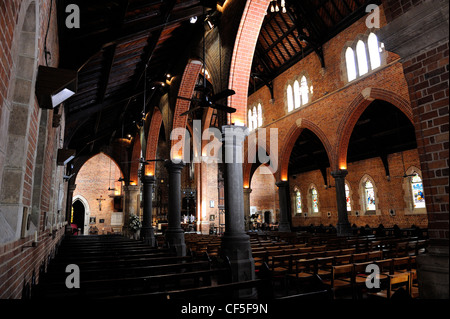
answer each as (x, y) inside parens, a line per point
(199, 150)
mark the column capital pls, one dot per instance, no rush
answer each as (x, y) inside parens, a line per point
(282, 184)
(340, 173)
(247, 190)
(235, 135)
(174, 166)
(72, 187)
(148, 179)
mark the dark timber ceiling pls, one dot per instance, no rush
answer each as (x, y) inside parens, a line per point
(118, 38)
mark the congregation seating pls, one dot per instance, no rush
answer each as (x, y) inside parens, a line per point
(286, 267)
(113, 267)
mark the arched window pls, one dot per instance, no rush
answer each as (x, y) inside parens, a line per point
(304, 91)
(298, 202)
(290, 98)
(250, 120)
(361, 54)
(260, 117)
(297, 95)
(314, 200)
(417, 192)
(374, 51)
(369, 196)
(348, 198)
(351, 65)
(255, 118)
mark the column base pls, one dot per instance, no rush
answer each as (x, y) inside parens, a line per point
(238, 250)
(148, 236)
(284, 228)
(432, 273)
(175, 240)
(344, 229)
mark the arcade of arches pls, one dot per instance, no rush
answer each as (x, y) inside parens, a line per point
(359, 115)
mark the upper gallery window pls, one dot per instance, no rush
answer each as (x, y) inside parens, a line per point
(365, 56)
(255, 117)
(298, 94)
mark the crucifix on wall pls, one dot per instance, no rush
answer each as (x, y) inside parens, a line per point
(100, 202)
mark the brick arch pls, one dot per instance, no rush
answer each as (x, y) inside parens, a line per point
(135, 157)
(354, 112)
(250, 158)
(244, 49)
(152, 140)
(294, 133)
(186, 90)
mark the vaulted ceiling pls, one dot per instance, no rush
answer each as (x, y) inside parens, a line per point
(119, 38)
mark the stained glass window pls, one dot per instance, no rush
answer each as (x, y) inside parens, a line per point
(417, 192)
(315, 200)
(347, 198)
(298, 202)
(369, 196)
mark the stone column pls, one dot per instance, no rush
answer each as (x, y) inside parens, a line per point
(71, 188)
(247, 192)
(235, 241)
(343, 226)
(147, 230)
(283, 190)
(174, 233)
(131, 202)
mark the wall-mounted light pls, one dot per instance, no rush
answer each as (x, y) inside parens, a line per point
(54, 86)
(65, 156)
(193, 20)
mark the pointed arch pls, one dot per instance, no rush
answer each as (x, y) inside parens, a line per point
(294, 133)
(354, 112)
(153, 140)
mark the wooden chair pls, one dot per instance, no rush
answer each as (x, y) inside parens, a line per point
(304, 272)
(359, 258)
(323, 266)
(395, 283)
(375, 255)
(401, 265)
(342, 260)
(341, 278)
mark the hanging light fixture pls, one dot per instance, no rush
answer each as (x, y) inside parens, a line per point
(276, 6)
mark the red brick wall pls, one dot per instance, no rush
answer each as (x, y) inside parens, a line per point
(264, 195)
(93, 181)
(327, 115)
(390, 194)
(395, 8)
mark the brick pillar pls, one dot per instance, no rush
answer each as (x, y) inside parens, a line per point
(419, 35)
